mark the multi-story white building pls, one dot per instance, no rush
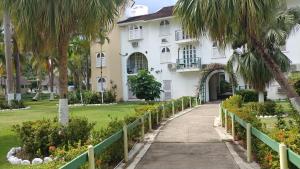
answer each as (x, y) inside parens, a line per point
(157, 42)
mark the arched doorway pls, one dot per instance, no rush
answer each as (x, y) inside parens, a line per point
(214, 84)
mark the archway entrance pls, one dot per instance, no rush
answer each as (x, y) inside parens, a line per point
(213, 85)
(216, 89)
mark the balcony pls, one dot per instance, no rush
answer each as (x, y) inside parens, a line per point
(189, 64)
(182, 37)
(136, 34)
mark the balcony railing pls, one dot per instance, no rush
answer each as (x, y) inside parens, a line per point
(189, 64)
(136, 34)
(181, 35)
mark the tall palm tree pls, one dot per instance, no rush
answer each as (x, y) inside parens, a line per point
(8, 53)
(251, 20)
(60, 21)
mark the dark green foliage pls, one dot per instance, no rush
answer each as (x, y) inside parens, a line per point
(14, 104)
(297, 86)
(248, 95)
(89, 97)
(37, 136)
(263, 109)
(144, 86)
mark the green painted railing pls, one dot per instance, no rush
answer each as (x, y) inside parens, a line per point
(101, 147)
(285, 154)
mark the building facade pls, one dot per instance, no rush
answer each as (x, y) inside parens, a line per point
(107, 59)
(156, 42)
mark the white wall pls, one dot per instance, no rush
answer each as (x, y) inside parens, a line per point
(185, 83)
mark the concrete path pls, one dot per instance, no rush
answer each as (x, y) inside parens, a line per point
(189, 142)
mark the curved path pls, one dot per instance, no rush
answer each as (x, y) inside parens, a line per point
(189, 142)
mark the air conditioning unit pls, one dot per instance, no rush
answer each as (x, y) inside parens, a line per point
(135, 44)
(172, 66)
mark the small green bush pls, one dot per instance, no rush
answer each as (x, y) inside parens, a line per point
(248, 95)
(263, 109)
(37, 136)
(14, 104)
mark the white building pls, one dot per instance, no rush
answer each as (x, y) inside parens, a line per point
(156, 42)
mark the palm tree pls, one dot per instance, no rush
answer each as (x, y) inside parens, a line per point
(254, 71)
(60, 21)
(16, 56)
(8, 54)
(252, 21)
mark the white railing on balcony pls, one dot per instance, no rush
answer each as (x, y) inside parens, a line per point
(135, 34)
(189, 63)
(181, 35)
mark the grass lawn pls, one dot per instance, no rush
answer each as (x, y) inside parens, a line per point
(46, 109)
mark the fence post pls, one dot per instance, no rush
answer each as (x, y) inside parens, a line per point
(249, 146)
(283, 156)
(150, 121)
(190, 102)
(233, 126)
(221, 114)
(143, 128)
(173, 108)
(164, 111)
(226, 120)
(182, 105)
(125, 137)
(157, 117)
(91, 156)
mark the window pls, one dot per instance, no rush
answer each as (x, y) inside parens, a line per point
(165, 55)
(167, 87)
(189, 57)
(100, 60)
(135, 32)
(165, 50)
(101, 85)
(164, 27)
(136, 62)
(217, 53)
(164, 40)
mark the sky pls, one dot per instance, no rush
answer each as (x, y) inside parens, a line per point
(155, 5)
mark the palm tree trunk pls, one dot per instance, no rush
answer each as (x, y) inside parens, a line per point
(8, 56)
(51, 80)
(261, 97)
(278, 74)
(16, 55)
(63, 109)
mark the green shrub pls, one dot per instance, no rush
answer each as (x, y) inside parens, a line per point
(14, 104)
(283, 132)
(248, 95)
(263, 109)
(37, 136)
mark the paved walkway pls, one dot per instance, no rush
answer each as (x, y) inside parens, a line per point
(189, 142)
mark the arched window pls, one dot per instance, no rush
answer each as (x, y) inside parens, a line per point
(165, 50)
(136, 62)
(164, 27)
(100, 60)
(164, 40)
(101, 85)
